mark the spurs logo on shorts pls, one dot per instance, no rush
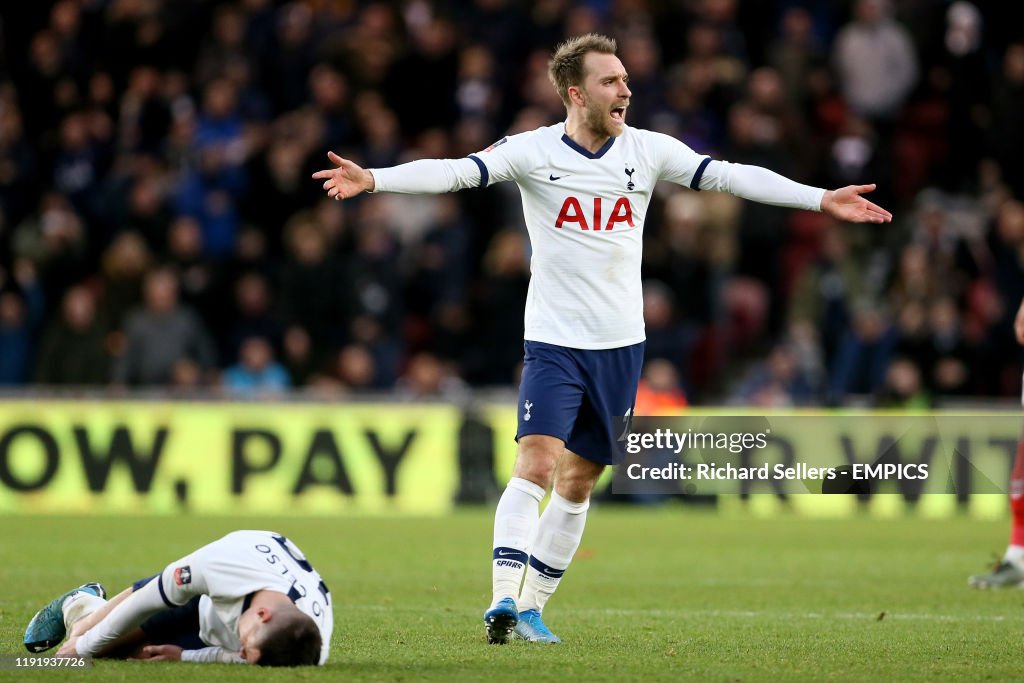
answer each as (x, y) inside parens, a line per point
(527, 405)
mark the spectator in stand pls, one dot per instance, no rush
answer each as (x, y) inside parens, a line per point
(15, 339)
(659, 391)
(355, 369)
(146, 211)
(299, 357)
(426, 377)
(826, 291)
(777, 382)
(903, 388)
(950, 371)
(197, 275)
(796, 54)
(1006, 135)
(864, 353)
(54, 239)
(499, 309)
(915, 280)
(160, 335)
(252, 315)
(79, 165)
(74, 347)
(211, 190)
(18, 162)
(256, 374)
(310, 286)
(876, 60)
(667, 337)
(963, 57)
(123, 268)
(375, 302)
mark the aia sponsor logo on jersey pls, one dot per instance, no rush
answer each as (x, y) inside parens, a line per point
(572, 212)
(182, 575)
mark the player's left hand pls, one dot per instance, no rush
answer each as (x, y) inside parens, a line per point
(68, 648)
(159, 653)
(846, 204)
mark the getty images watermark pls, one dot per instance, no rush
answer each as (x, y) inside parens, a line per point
(864, 454)
(735, 443)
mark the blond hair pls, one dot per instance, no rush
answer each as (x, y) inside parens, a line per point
(566, 66)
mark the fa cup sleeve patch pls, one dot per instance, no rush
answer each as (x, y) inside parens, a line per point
(182, 575)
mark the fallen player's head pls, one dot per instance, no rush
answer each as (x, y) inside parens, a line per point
(279, 636)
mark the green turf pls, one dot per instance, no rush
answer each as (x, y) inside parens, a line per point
(653, 595)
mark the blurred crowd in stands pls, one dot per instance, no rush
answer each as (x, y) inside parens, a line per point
(159, 227)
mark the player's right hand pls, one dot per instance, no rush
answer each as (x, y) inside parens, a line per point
(1018, 324)
(160, 653)
(345, 181)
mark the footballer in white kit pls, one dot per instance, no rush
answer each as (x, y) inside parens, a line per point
(586, 185)
(251, 596)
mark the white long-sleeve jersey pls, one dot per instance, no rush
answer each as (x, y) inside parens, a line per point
(585, 214)
(224, 574)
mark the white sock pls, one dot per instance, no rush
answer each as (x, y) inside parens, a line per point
(514, 522)
(79, 605)
(558, 536)
(1015, 555)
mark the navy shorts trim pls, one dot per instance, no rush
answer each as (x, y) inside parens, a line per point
(583, 397)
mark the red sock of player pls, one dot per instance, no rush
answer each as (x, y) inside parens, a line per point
(1017, 498)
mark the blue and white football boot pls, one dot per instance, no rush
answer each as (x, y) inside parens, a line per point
(500, 622)
(47, 629)
(531, 627)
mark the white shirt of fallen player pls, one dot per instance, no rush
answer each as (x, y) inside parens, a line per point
(223, 574)
(585, 213)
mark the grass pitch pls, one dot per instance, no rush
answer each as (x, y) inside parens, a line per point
(664, 594)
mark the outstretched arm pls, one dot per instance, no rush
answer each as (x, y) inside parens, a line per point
(767, 187)
(424, 176)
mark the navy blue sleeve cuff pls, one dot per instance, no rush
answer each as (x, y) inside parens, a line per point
(484, 176)
(695, 183)
(160, 585)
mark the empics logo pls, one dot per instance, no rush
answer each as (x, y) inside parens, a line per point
(182, 575)
(527, 405)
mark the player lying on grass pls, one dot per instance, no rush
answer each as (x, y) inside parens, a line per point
(586, 184)
(249, 597)
(1009, 571)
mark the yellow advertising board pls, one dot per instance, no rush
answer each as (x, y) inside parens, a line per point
(382, 458)
(226, 457)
